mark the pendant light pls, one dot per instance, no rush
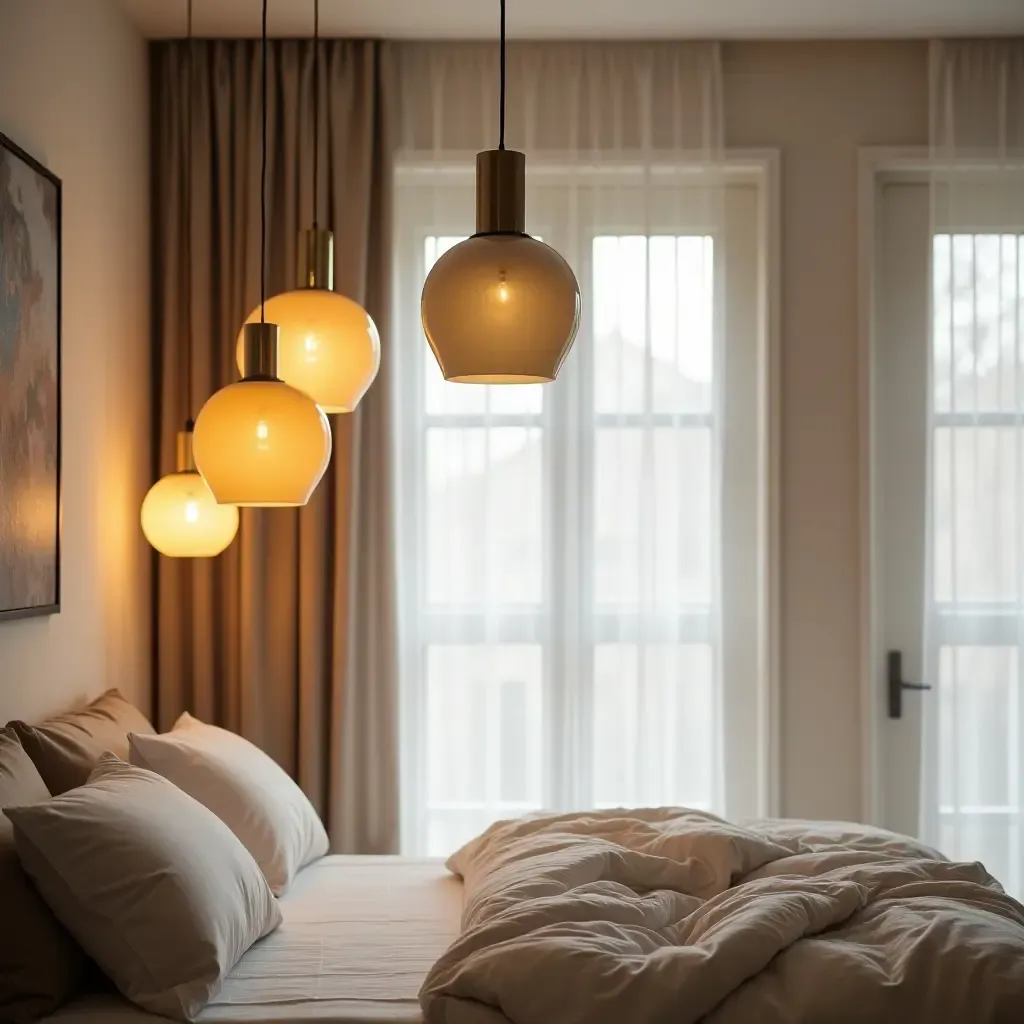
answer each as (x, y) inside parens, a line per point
(328, 345)
(261, 441)
(180, 516)
(500, 307)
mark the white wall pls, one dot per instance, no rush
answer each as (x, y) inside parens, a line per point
(74, 92)
(818, 102)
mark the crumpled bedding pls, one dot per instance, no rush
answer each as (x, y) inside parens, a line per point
(670, 915)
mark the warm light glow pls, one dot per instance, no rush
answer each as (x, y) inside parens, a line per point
(181, 518)
(262, 442)
(328, 346)
(500, 309)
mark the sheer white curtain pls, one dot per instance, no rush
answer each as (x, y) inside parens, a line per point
(570, 637)
(973, 769)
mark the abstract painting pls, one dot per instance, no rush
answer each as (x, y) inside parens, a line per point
(30, 283)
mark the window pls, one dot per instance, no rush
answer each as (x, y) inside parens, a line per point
(579, 610)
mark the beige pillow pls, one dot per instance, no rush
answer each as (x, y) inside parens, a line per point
(65, 749)
(41, 966)
(245, 788)
(155, 888)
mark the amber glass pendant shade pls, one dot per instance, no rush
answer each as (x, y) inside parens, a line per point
(328, 345)
(260, 441)
(181, 517)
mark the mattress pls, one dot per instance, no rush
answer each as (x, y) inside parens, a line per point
(358, 937)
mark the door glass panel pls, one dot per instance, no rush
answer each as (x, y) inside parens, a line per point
(978, 310)
(976, 513)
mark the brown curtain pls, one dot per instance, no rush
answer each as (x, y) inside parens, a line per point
(288, 637)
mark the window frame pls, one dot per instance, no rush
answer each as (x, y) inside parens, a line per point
(538, 623)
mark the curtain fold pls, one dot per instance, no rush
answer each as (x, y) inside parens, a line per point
(973, 751)
(573, 632)
(289, 636)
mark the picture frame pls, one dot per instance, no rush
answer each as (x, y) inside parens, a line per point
(30, 385)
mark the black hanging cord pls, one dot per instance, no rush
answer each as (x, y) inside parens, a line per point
(501, 111)
(263, 174)
(316, 113)
(189, 423)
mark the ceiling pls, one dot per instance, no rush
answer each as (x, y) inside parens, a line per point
(590, 19)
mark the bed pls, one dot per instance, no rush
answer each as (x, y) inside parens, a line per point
(358, 937)
(597, 917)
(666, 914)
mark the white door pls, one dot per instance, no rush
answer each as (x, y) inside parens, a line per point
(948, 520)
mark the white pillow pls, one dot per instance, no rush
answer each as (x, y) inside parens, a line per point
(245, 788)
(152, 885)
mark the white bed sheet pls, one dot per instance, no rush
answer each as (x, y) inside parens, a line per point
(358, 937)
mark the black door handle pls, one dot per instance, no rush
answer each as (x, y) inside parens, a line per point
(896, 685)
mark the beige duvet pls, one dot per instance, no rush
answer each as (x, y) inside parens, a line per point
(671, 916)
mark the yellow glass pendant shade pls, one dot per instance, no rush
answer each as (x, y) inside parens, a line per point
(260, 441)
(181, 517)
(500, 307)
(328, 345)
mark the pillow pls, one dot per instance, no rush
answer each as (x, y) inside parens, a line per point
(245, 788)
(154, 887)
(41, 966)
(65, 749)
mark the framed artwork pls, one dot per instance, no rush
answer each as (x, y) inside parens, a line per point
(30, 399)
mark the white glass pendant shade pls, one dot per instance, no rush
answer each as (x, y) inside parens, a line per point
(500, 307)
(261, 441)
(328, 345)
(181, 517)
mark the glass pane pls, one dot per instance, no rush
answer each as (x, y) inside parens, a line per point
(442, 397)
(484, 732)
(682, 724)
(615, 724)
(652, 516)
(654, 725)
(653, 301)
(976, 512)
(978, 310)
(681, 508)
(456, 727)
(978, 727)
(620, 322)
(484, 537)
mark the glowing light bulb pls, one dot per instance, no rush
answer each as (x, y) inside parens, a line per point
(191, 512)
(503, 291)
(310, 347)
(262, 432)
